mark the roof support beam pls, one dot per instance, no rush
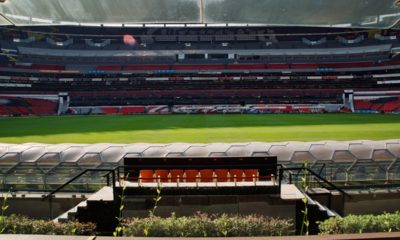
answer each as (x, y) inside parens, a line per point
(6, 18)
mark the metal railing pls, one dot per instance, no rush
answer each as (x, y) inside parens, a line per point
(114, 172)
(319, 180)
(312, 179)
(111, 172)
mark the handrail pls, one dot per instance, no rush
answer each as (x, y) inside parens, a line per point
(323, 166)
(112, 171)
(327, 182)
(281, 170)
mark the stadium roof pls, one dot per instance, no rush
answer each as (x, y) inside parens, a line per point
(335, 13)
(295, 152)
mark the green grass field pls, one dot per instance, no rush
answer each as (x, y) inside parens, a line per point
(199, 128)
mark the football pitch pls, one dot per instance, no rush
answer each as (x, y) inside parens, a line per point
(199, 128)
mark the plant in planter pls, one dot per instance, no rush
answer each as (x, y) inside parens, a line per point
(203, 225)
(387, 222)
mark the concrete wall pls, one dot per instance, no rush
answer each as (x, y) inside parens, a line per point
(189, 205)
(35, 207)
(373, 203)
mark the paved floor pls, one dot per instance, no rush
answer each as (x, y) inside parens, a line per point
(370, 236)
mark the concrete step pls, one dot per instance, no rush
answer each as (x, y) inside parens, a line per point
(322, 208)
(104, 194)
(70, 214)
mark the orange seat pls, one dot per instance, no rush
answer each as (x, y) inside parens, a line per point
(147, 175)
(175, 173)
(250, 173)
(222, 175)
(238, 173)
(191, 175)
(206, 175)
(162, 174)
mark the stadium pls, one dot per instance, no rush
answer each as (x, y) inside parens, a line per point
(226, 106)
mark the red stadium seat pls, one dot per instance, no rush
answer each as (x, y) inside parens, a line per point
(304, 66)
(162, 175)
(278, 66)
(148, 67)
(147, 176)
(191, 175)
(245, 66)
(346, 65)
(222, 175)
(206, 175)
(238, 173)
(198, 67)
(251, 174)
(175, 173)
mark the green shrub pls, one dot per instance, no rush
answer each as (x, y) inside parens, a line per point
(202, 225)
(387, 222)
(22, 225)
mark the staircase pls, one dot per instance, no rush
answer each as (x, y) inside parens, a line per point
(317, 212)
(99, 208)
(324, 199)
(70, 215)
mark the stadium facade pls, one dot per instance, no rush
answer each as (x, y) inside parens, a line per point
(197, 70)
(98, 57)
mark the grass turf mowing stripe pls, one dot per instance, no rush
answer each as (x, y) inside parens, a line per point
(199, 128)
